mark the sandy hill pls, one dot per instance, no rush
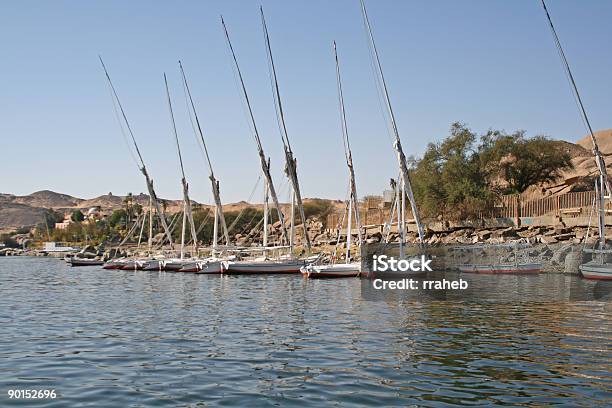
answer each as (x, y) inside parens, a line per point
(47, 199)
(580, 178)
(104, 201)
(604, 141)
(14, 216)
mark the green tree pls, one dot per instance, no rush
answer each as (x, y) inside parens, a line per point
(463, 175)
(118, 218)
(77, 216)
(8, 241)
(128, 202)
(51, 217)
(521, 162)
(449, 180)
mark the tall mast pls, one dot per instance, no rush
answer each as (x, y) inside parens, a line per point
(141, 164)
(265, 165)
(599, 160)
(150, 240)
(187, 214)
(214, 182)
(601, 214)
(349, 160)
(265, 216)
(401, 158)
(290, 161)
(292, 230)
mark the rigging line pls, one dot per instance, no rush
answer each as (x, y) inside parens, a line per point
(248, 224)
(599, 160)
(244, 92)
(380, 73)
(258, 225)
(129, 232)
(127, 123)
(397, 145)
(290, 162)
(244, 108)
(340, 223)
(345, 140)
(204, 221)
(379, 87)
(171, 227)
(265, 163)
(280, 115)
(195, 114)
(233, 224)
(120, 122)
(570, 76)
(191, 121)
(178, 148)
(279, 121)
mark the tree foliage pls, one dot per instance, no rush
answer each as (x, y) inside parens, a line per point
(464, 174)
(522, 162)
(77, 216)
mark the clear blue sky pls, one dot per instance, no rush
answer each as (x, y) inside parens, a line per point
(490, 64)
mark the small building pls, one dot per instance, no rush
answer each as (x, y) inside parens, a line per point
(64, 224)
(54, 247)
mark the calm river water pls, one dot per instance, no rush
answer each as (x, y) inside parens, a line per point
(119, 339)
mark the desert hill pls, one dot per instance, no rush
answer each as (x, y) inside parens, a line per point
(46, 199)
(604, 140)
(28, 210)
(580, 178)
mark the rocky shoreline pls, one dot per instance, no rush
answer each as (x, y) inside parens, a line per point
(558, 248)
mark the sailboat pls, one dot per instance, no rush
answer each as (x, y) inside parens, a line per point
(136, 264)
(347, 269)
(212, 264)
(263, 264)
(404, 188)
(598, 267)
(175, 264)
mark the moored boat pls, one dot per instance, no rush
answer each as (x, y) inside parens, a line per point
(133, 265)
(173, 265)
(517, 268)
(114, 264)
(152, 265)
(74, 261)
(263, 266)
(203, 266)
(496, 259)
(596, 270)
(345, 270)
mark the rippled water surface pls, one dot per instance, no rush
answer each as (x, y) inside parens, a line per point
(116, 338)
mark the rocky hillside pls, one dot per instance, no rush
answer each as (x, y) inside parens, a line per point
(29, 210)
(580, 178)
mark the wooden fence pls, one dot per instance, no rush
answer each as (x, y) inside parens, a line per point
(509, 206)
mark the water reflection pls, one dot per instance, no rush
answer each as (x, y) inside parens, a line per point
(168, 339)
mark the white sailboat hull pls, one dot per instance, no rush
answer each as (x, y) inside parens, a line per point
(346, 270)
